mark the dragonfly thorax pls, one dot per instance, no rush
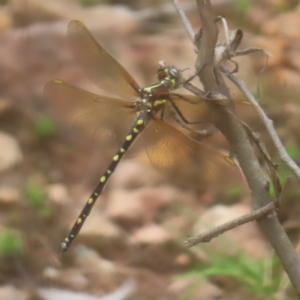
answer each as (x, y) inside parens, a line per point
(152, 98)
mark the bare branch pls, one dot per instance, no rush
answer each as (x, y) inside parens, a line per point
(230, 126)
(268, 123)
(185, 22)
(251, 50)
(214, 232)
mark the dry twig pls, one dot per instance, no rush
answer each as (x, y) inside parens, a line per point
(214, 232)
(228, 123)
(268, 123)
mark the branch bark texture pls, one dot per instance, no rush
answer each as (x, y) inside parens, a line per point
(230, 126)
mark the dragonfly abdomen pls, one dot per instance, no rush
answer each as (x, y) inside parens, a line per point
(136, 129)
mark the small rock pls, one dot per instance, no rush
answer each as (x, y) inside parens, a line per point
(10, 153)
(131, 174)
(138, 206)
(51, 273)
(90, 259)
(6, 21)
(72, 279)
(125, 207)
(183, 260)
(122, 292)
(43, 10)
(276, 46)
(76, 280)
(9, 292)
(179, 223)
(9, 196)
(98, 231)
(152, 235)
(285, 24)
(178, 286)
(258, 15)
(205, 290)
(57, 193)
(59, 294)
(157, 198)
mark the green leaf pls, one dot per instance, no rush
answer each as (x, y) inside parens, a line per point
(35, 195)
(44, 127)
(293, 152)
(45, 213)
(89, 2)
(10, 243)
(243, 6)
(234, 192)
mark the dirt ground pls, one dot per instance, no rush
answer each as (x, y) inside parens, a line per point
(132, 244)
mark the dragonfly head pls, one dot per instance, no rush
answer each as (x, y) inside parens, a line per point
(169, 75)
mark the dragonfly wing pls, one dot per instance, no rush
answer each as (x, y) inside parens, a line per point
(200, 112)
(99, 116)
(185, 160)
(99, 65)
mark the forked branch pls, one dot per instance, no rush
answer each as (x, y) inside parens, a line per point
(268, 123)
(211, 77)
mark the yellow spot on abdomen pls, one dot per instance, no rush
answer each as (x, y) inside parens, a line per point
(135, 130)
(129, 137)
(122, 150)
(116, 158)
(58, 81)
(140, 122)
(108, 171)
(79, 220)
(90, 201)
(103, 178)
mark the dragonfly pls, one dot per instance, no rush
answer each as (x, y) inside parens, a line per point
(129, 112)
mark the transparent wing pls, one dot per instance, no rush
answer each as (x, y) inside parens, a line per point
(103, 118)
(99, 65)
(184, 160)
(199, 112)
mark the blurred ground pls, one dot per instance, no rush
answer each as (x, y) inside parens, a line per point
(132, 242)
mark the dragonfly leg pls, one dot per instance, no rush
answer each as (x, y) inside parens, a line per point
(180, 119)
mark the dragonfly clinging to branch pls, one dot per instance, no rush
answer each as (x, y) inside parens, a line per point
(131, 112)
